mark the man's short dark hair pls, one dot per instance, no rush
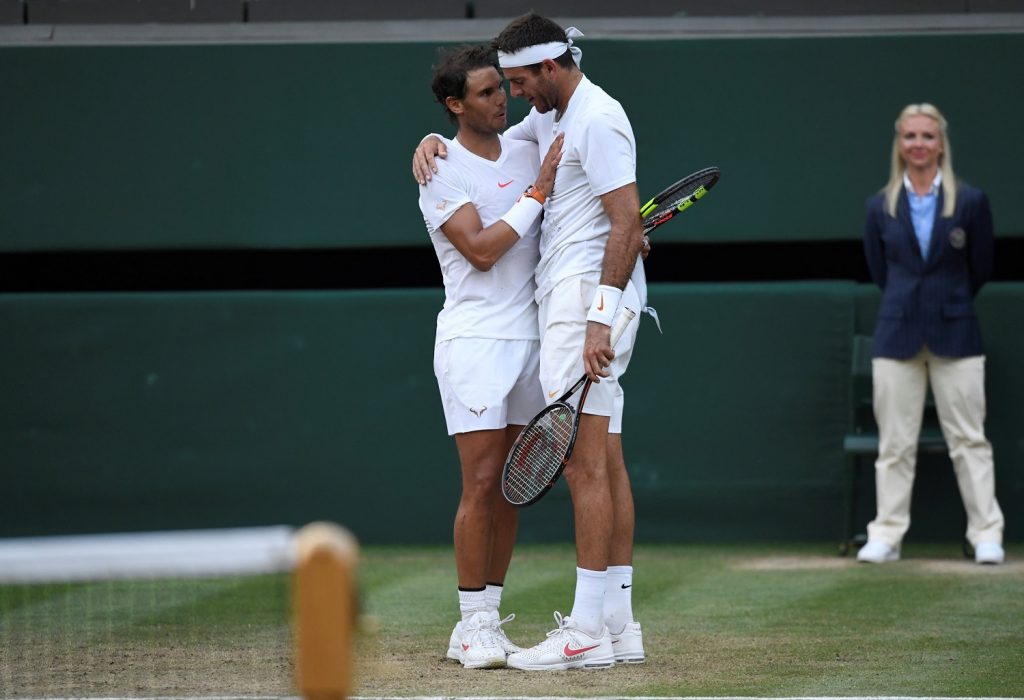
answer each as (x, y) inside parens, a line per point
(529, 30)
(454, 66)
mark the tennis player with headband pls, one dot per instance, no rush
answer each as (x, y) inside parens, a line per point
(591, 239)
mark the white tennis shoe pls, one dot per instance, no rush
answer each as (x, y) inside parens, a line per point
(507, 645)
(628, 645)
(479, 646)
(566, 647)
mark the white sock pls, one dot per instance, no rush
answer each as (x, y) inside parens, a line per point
(588, 607)
(493, 595)
(618, 598)
(471, 602)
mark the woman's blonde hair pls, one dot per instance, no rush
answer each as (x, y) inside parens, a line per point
(892, 189)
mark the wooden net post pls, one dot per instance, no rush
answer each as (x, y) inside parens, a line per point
(324, 603)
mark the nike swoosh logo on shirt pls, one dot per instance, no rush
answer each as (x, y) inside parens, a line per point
(506, 184)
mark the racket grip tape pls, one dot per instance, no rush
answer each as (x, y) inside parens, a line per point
(626, 315)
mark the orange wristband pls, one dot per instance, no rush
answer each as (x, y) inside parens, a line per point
(533, 193)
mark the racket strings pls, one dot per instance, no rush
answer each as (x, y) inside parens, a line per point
(672, 198)
(685, 193)
(537, 455)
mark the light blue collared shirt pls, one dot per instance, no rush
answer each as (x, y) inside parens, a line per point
(922, 210)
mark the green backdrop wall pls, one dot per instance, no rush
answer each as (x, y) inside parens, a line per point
(308, 146)
(142, 411)
(127, 411)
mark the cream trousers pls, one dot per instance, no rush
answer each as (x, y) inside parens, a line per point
(958, 384)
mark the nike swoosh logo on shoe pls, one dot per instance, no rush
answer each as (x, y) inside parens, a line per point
(569, 651)
(627, 585)
(465, 647)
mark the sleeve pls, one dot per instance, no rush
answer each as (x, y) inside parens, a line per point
(442, 196)
(608, 152)
(874, 250)
(523, 131)
(980, 239)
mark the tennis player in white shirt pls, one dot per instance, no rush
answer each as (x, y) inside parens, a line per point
(590, 245)
(485, 230)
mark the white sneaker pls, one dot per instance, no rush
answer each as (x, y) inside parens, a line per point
(989, 553)
(504, 642)
(878, 552)
(455, 643)
(628, 645)
(479, 646)
(566, 647)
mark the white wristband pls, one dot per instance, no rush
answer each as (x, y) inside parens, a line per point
(605, 304)
(523, 215)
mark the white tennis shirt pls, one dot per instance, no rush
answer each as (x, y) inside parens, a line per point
(599, 155)
(498, 303)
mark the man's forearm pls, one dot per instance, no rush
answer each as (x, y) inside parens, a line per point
(626, 237)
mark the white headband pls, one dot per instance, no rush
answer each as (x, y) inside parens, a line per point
(531, 55)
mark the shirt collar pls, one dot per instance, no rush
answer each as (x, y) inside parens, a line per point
(934, 190)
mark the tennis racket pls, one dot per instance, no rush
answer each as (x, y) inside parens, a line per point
(539, 454)
(677, 198)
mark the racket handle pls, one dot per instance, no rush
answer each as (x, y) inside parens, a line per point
(626, 315)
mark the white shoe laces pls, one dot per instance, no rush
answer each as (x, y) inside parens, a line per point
(485, 633)
(498, 623)
(561, 623)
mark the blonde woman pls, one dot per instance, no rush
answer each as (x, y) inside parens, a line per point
(928, 241)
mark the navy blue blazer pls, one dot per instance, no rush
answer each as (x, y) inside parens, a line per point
(928, 297)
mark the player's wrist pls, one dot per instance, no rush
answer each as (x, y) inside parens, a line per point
(605, 304)
(535, 192)
(523, 215)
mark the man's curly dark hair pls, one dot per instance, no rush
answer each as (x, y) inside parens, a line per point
(529, 30)
(451, 72)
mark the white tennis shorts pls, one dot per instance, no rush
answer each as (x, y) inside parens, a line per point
(563, 324)
(488, 384)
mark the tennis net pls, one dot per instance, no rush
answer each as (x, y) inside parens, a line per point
(174, 614)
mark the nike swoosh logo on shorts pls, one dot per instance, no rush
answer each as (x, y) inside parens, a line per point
(506, 184)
